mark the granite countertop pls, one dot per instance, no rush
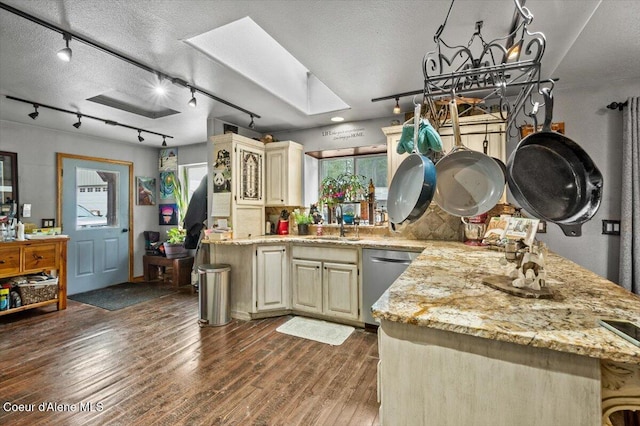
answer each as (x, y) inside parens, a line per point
(443, 289)
(366, 241)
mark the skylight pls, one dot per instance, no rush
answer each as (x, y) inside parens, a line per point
(249, 50)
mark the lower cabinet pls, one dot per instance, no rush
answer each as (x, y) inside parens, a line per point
(272, 278)
(306, 279)
(340, 290)
(325, 286)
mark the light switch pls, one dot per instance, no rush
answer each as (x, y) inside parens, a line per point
(26, 210)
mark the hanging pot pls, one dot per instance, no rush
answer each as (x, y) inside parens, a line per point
(413, 184)
(469, 182)
(553, 178)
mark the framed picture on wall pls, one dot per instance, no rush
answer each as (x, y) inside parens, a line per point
(146, 187)
(168, 159)
(167, 182)
(168, 214)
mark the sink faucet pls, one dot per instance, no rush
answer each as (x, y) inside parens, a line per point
(340, 219)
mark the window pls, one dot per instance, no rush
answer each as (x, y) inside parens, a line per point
(193, 174)
(371, 166)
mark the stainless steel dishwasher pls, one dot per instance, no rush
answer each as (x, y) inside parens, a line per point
(380, 269)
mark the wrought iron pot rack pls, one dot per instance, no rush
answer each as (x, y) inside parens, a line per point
(504, 68)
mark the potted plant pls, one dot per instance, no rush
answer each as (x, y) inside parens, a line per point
(303, 220)
(174, 246)
(181, 197)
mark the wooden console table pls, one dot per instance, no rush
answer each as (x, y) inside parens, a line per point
(181, 268)
(33, 256)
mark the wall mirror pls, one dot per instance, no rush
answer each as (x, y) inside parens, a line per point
(9, 201)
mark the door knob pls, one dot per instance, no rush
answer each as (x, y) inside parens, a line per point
(125, 230)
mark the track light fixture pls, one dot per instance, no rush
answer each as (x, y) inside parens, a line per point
(252, 125)
(396, 109)
(77, 125)
(65, 53)
(193, 102)
(35, 113)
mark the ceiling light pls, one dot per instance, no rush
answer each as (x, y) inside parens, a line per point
(78, 124)
(193, 102)
(337, 119)
(252, 125)
(140, 138)
(513, 54)
(164, 141)
(65, 53)
(34, 114)
(396, 109)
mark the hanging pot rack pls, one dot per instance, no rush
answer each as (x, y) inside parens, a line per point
(486, 68)
(504, 68)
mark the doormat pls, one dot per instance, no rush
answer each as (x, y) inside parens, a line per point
(122, 295)
(320, 331)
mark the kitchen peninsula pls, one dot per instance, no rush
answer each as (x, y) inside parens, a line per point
(454, 351)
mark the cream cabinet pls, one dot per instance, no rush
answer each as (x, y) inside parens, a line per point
(236, 192)
(394, 159)
(284, 173)
(272, 278)
(325, 281)
(473, 130)
(340, 290)
(306, 279)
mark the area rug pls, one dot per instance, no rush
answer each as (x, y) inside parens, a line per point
(320, 331)
(122, 295)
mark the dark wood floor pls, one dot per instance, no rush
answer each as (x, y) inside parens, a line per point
(152, 364)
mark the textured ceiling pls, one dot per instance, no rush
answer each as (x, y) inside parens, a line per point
(359, 49)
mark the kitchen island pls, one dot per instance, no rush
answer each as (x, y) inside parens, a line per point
(455, 351)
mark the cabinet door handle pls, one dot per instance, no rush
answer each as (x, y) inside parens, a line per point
(2, 261)
(37, 256)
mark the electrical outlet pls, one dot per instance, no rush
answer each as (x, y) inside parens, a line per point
(542, 227)
(610, 227)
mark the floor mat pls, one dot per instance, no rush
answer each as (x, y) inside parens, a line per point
(320, 331)
(122, 295)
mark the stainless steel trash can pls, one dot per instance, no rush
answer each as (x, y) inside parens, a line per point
(213, 288)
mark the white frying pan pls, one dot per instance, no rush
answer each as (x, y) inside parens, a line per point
(469, 183)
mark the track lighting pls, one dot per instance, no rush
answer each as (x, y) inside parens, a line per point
(252, 125)
(65, 53)
(193, 102)
(396, 109)
(35, 113)
(77, 125)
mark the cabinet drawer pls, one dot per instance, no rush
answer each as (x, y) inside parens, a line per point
(40, 257)
(9, 261)
(333, 254)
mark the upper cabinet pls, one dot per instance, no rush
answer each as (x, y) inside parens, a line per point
(284, 174)
(236, 164)
(474, 131)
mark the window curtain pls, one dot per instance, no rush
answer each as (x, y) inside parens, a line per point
(630, 208)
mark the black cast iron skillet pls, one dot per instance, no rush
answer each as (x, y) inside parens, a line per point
(553, 178)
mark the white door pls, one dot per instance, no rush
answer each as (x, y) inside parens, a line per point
(306, 282)
(272, 278)
(340, 284)
(94, 206)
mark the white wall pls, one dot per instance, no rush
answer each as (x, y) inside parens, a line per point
(37, 148)
(598, 131)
